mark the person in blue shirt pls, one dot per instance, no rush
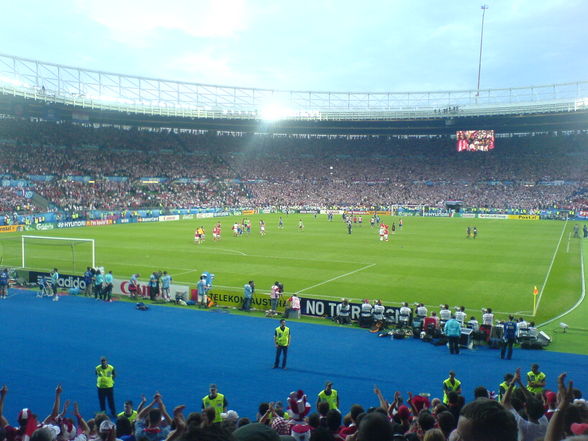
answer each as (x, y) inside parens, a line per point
(3, 283)
(202, 288)
(452, 331)
(41, 284)
(107, 291)
(248, 290)
(153, 282)
(54, 279)
(98, 279)
(508, 338)
(165, 285)
(88, 276)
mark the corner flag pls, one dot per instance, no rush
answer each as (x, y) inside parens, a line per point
(535, 291)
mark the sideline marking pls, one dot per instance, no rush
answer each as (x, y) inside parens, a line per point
(579, 302)
(549, 269)
(338, 277)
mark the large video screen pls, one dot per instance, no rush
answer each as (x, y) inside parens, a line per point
(475, 140)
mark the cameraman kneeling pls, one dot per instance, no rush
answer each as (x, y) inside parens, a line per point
(365, 316)
(343, 316)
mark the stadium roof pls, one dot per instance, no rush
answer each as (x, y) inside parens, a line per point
(52, 91)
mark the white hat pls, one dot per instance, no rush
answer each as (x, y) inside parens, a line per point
(106, 426)
(230, 415)
(55, 430)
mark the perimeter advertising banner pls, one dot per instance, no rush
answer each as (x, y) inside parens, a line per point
(493, 216)
(121, 287)
(71, 224)
(310, 307)
(169, 218)
(65, 281)
(11, 228)
(98, 222)
(523, 216)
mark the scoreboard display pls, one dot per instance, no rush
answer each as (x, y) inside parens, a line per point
(475, 140)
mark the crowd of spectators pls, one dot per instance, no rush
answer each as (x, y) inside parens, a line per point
(522, 409)
(204, 169)
(13, 200)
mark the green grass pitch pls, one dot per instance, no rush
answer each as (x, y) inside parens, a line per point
(429, 260)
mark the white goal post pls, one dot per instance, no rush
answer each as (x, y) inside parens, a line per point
(71, 240)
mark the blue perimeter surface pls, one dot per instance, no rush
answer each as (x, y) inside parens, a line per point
(178, 352)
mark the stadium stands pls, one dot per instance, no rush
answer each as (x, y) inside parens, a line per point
(204, 170)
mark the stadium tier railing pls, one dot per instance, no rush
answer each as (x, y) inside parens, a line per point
(88, 89)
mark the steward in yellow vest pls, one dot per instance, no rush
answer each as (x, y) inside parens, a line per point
(282, 341)
(215, 400)
(329, 395)
(535, 380)
(451, 384)
(105, 383)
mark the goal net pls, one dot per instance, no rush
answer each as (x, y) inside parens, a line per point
(68, 254)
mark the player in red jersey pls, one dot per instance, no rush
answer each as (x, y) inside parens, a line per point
(216, 232)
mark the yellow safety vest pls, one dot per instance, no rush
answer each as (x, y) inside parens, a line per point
(282, 336)
(104, 376)
(131, 418)
(331, 399)
(217, 403)
(535, 378)
(448, 387)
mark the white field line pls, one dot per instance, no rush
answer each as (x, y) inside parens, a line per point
(549, 269)
(338, 277)
(221, 250)
(185, 272)
(582, 296)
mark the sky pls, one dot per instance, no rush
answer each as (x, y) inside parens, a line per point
(318, 45)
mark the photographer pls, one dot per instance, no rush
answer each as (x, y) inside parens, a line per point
(421, 311)
(365, 316)
(487, 317)
(404, 315)
(460, 315)
(444, 314)
(378, 313)
(277, 290)
(343, 316)
(293, 310)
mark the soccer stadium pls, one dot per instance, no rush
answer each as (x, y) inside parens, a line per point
(154, 233)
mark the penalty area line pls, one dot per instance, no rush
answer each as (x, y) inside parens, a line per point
(549, 269)
(338, 277)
